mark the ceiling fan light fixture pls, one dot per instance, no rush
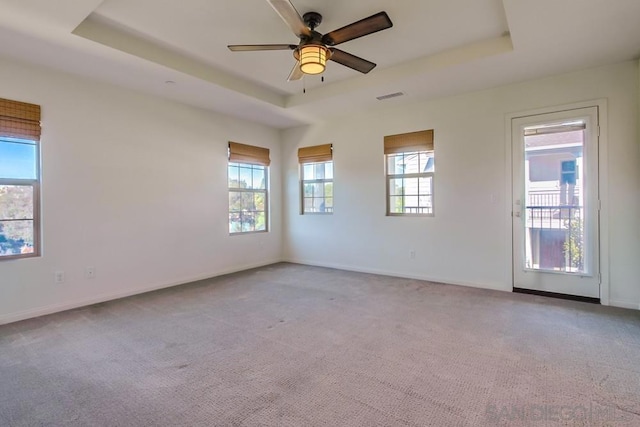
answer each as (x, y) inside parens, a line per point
(313, 59)
(315, 49)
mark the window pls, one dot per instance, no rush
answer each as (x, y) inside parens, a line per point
(316, 171)
(410, 165)
(19, 179)
(248, 188)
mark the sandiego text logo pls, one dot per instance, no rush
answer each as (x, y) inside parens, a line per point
(546, 412)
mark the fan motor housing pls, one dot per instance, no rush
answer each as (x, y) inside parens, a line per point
(312, 19)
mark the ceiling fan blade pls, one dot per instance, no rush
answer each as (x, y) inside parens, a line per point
(378, 22)
(296, 73)
(253, 47)
(291, 17)
(351, 61)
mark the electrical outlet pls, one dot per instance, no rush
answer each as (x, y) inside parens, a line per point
(90, 272)
(412, 254)
(58, 277)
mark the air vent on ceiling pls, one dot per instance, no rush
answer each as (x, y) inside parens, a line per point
(390, 95)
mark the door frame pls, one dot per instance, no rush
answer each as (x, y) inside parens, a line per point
(603, 237)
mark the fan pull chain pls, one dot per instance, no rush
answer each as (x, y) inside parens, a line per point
(304, 85)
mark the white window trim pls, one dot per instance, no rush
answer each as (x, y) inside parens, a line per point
(389, 177)
(253, 191)
(313, 181)
(35, 184)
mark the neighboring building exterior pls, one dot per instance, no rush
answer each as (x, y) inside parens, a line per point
(554, 200)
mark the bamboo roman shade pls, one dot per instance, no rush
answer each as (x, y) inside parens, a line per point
(413, 141)
(19, 120)
(317, 153)
(243, 153)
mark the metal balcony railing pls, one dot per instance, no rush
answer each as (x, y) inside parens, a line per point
(560, 217)
(553, 198)
(418, 210)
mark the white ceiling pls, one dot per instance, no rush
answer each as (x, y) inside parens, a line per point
(435, 48)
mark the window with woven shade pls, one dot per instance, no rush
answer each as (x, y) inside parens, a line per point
(19, 179)
(410, 169)
(248, 179)
(316, 183)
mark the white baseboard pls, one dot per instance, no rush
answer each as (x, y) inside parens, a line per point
(481, 285)
(56, 308)
(624, 304)
(491, 286)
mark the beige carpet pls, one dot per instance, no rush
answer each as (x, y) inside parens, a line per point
(291, 345)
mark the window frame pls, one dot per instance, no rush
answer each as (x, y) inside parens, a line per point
(35, 185)
(315, 181)
(417, 175)
(252, 191)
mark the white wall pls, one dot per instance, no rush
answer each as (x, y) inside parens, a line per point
(468, 240)
(136, 186)
(133, 185)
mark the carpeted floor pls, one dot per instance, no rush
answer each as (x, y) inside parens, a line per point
(292, 345)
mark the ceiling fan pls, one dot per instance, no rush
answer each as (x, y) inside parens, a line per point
(315, 49)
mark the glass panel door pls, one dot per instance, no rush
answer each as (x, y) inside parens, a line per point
(556, 202)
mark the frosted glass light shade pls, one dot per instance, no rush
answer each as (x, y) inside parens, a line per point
(313, 59)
